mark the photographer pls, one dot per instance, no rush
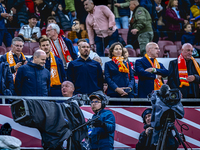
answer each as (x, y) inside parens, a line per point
(145, 137)
(101, 132)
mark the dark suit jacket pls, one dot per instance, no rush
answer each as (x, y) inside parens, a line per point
(174, 82)
(146, 79)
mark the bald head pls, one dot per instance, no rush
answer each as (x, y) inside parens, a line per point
(39, 57)
(67, 89)
(152, 49)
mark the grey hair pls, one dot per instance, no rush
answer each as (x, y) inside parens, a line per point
(17, 39)
(186, 44)
(38, 53)
(149, 45)
(54, 26)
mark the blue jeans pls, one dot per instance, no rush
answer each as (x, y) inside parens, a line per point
(122, 23)
(5, 37)
(101, 43)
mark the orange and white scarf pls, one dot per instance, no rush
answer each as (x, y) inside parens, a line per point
(120, 64)
(55, 80)
(64, 49)
(11, 61)
(182, 70)
(157, 82)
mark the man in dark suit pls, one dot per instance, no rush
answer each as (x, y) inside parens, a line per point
(149, 71)
(185, 77)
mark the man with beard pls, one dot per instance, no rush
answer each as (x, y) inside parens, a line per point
(84, 73)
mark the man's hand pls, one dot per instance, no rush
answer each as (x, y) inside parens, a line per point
(185, 21)
(14, 10)
(117, 5)
(10, 18)
(98, 123)
(149, 69)
(18, 65)
(34, 36)
(147, 130)
(4, 15)
(134, 31)
(121, 91)
(53, 13)
(92, 47)
(159, 76)
(190, 78)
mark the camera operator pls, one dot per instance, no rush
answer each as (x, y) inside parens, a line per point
(145, 137)
(101, 132)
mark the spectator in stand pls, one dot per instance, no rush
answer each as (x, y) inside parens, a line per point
(100, 20)
(118, 74)
(15, 57)
(101, 133)
(55, 67)
(67, 89)
(195, 11)
(197, 32)
(60, 46)
(30, 32)
(98, 59)
(122, 13)
(70, 8)
(85, 73)
(91, 55)
(77, 33)
(46, 8)
(19, 10)
(126, 60)
(184, 73)
(174, 21)
(188, 36)
(147, 134)
(150, 71)
(81, 12)
(159, 11)
(51, 19)
(6, 81)
(33, 79)
(141, 24)
(4, 34)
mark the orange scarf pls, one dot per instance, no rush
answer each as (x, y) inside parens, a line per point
(182, 70)
(11, 61)
(157, 82)
(120, 64)
(64, 49)
(55, 80)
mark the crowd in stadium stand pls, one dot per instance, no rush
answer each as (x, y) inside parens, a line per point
(66, 39)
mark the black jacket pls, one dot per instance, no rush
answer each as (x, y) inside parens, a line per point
(174, 82)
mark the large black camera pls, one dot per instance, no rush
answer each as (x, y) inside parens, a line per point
(56, 122)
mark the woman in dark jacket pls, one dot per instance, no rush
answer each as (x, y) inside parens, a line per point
(174, 21)
(118, 74)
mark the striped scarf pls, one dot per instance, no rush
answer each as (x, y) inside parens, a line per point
(157, 82)
(120, 64)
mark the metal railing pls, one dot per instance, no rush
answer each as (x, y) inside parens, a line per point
(133, 100)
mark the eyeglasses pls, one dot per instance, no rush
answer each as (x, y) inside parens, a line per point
(18, 45)
(94, 102)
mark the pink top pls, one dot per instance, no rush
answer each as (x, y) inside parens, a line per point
(100, 20)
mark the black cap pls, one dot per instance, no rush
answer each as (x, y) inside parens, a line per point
(146, 111)
(34, 16)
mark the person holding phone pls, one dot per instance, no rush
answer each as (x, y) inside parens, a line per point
(30, 32)
(118, 74)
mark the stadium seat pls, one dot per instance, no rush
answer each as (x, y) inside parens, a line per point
(197, 46)
(172, 49)
(26, 49)
(178, 44)
(161, 45)
(123, 33)
(131, 52)
(137, 52)
(2, 50)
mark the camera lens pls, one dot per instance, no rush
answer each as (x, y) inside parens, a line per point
(173, 95)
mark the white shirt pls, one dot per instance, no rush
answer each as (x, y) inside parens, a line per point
(27, 31)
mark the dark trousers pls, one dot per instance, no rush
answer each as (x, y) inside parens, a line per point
(102, 43)
(5, 37)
